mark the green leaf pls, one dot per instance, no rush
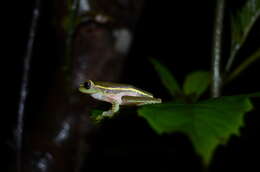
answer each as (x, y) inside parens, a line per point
(167, 78)
(242, 21)
(207, 123)
(196, 83)
(96, 112)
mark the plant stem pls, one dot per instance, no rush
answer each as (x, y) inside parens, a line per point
(217, 48)
(72, 17)
(243, 66)
(24, 83)
(73, 12)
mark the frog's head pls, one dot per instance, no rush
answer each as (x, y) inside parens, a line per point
(88, 87)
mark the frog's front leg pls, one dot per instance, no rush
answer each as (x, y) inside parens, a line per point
(111, 112)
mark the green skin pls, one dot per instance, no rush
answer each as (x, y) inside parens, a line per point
(117, 94)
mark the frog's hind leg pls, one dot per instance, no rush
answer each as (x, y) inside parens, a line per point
(131, 100)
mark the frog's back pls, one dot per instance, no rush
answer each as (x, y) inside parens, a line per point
(122, 87)
(112, 84)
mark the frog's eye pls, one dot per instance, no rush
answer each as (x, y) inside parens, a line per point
(87, 84)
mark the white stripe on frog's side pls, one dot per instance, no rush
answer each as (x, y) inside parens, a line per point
(113, 97)
(131, 90)
(98, 96)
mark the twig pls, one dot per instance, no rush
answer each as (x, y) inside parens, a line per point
(243, 66)
(24, 83)
(217, 48)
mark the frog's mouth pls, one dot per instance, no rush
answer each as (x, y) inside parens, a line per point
(81, 89)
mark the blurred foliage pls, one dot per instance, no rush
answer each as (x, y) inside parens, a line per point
(207, 123)
(242, 21)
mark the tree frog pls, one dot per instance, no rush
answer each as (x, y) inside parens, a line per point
(117, 94)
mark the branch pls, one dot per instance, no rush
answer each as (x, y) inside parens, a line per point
(24, 83)
(243, 65)
(217, 48)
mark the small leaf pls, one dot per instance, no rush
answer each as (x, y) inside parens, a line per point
(207, 123)
(196, 83)
(96, 115)
(96, 112)
(167, 78)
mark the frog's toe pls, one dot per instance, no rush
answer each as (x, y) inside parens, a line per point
(107, 114)
(99, 118)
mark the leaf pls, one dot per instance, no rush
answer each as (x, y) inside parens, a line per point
(207, 123)
(96, 112)
(242, 22)
(167, 78)
(196, 83)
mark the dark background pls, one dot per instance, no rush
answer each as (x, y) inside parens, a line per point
(179, 34)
